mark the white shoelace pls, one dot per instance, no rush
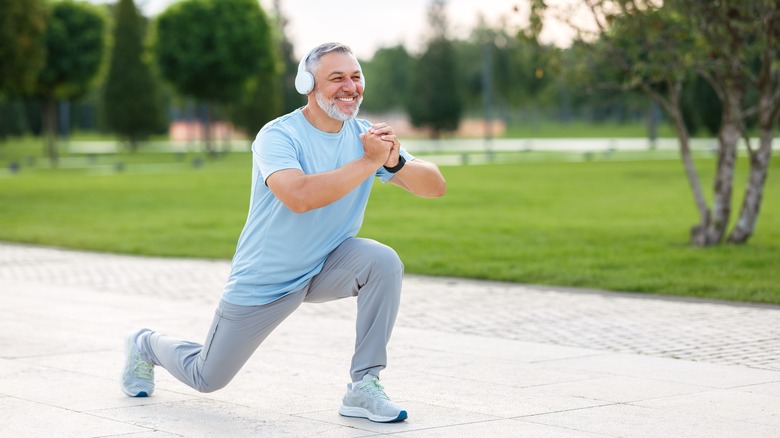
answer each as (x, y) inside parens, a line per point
(142, 369)
(374, 387)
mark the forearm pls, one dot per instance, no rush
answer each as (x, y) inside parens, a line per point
(309, 192)
(421, 178)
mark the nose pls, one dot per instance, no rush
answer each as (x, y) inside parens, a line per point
(351, 86)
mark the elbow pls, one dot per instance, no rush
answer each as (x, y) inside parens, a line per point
(298, 208)
(440, 190)
(437, 190)
(298, 205)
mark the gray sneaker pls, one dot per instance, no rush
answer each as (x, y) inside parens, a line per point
(367, 399)
(138, 375)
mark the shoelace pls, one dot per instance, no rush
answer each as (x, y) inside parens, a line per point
(142, 369)
(375, 388)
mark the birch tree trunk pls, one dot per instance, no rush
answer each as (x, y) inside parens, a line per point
(730, 133)
(754, 192)
(768, 107)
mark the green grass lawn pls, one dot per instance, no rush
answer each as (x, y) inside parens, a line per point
(583, 129)
(611, 224)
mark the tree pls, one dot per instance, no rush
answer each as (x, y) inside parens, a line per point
(131, 101)
(741, 40)
(435, 98)
(74, 44)
(213, 62)
(387, 70)
(654, 46)
(22, 27)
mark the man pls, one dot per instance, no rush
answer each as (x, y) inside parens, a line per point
(311, 178)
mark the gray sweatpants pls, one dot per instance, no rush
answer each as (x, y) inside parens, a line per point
(358, 267)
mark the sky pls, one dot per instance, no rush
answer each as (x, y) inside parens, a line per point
(368, 25)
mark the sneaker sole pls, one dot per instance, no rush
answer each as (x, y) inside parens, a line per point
(356, 412)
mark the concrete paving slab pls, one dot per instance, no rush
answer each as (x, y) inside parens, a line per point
(466, 358)
(622, 420)
(20, 417)
(425, 417)
(499, 429)
(621, 389)
(724, 404)
(204, 417)
(672, 370)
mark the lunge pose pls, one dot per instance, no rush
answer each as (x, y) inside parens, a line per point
(311, 177)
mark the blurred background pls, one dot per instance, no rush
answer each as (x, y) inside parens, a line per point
(458, 68)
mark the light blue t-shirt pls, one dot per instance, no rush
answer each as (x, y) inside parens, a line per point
(279, 250)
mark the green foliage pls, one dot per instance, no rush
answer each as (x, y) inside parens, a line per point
(260, 102)
(22, 27)
(131, 101)
(209, 48)
(519, 68)
(75, 39)
(701, 107)
(434, 100)
(388, 74)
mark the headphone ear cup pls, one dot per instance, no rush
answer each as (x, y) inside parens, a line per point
(304, 82)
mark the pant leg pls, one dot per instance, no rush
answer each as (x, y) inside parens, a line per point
(372, 272)
(235, 334)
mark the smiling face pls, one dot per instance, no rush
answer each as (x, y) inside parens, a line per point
(338, 86)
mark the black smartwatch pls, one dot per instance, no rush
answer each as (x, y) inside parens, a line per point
(397, 167)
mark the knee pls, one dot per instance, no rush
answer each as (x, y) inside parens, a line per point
(210, 383)
(207, 387)
(386, 261)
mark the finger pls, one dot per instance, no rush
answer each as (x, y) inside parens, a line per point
(389, 137)
(381, 129)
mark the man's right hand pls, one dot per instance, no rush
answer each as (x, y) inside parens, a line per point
(375, 149)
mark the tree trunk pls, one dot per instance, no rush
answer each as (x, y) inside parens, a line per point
(768, 108)
(50, 130)
(754, 192)
(730, 133)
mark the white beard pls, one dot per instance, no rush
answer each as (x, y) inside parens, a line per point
(331, 107)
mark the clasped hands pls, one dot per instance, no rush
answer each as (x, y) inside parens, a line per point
(380, 145)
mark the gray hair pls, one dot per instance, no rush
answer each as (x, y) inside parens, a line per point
(313, 59)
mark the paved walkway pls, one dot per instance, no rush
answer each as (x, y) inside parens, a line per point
(467, 358)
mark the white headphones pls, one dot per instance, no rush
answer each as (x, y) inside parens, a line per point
(304, 80)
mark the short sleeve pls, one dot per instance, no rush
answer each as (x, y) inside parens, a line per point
(274, 150)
